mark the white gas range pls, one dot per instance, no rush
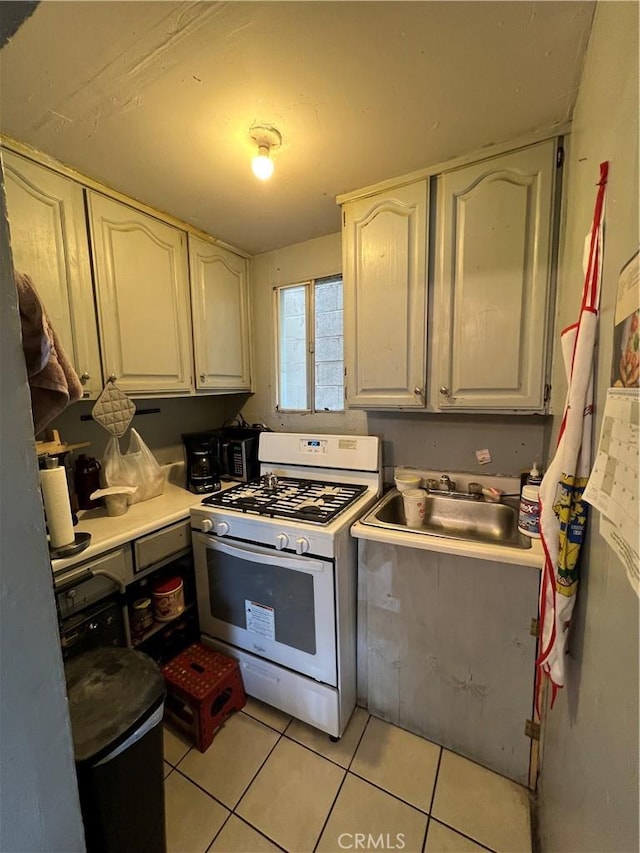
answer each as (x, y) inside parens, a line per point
(276, 572)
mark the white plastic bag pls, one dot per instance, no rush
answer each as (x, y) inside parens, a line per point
(137, 467)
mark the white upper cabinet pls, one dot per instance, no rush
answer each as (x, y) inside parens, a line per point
(49, 243)
(385, 298)
(142, 287)
(219, 304)
(492, 282)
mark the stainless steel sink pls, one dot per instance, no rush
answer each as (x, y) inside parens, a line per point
(453, 518)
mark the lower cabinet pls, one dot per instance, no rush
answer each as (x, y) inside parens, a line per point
(93, 612)
(445, 650)
(161, 557)
(163, 640)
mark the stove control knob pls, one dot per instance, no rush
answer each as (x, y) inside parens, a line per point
(221, 528)
(302, 545)
(282, 540)
(206, 525)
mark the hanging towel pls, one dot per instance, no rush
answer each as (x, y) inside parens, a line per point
(52, 380)
(563, 513)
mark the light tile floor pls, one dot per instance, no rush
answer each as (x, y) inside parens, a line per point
(269, 783)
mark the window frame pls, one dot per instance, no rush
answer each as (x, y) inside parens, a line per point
(310, 323)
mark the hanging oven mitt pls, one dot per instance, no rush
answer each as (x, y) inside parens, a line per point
(113, 410)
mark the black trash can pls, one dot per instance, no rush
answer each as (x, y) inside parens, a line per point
(116, 702)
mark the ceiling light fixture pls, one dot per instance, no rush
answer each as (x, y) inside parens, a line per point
(266, 138)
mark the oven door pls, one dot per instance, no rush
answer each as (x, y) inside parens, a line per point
(278, 606)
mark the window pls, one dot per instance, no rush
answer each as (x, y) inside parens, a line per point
(310, 346)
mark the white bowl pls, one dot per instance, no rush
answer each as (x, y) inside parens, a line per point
(407, 481)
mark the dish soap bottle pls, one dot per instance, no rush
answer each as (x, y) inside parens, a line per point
(535, 476)
(529, 514)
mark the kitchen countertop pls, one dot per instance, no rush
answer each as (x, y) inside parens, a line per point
(108, 532)
(533, 557)
(174, 504)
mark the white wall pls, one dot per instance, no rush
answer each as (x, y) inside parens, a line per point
(39, 806)
(589, 780)
(438, 441)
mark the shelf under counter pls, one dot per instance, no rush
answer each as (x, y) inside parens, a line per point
(158, 626)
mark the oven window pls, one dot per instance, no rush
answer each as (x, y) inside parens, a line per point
(269, 601)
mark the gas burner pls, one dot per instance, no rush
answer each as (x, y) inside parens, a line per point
(330, 490)
(311, 502)
(311, 512)
(306, 500)
(249, 501)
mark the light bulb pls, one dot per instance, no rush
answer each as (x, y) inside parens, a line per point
(262, 164)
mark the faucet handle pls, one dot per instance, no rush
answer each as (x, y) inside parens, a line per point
(446, 483)
(474, 488)
(432, 485)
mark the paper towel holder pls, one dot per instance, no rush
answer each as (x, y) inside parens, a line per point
(81, 538)
(81, 542)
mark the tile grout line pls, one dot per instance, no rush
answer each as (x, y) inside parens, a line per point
(364, 728)
(232, 811)
(200, 788)
(464, 835)
(346, 773)
(326, 820)
(389, 793)
(216, 834)
(433, 796)
(255, 775)
(246, 823)
(322, 755)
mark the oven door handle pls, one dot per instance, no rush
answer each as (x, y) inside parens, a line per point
(261, 555)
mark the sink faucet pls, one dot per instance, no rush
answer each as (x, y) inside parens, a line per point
(447, 484)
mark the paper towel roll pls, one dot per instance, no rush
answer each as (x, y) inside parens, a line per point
(57, 507)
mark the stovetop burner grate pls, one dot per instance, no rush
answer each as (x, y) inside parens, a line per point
(299, 500)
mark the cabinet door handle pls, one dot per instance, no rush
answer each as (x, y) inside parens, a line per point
(444, 391)
(112, 377)
(203, 377)
(85, 377)
(418, 391)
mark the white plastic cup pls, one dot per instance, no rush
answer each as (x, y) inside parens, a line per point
(406, 480)
(415, 504)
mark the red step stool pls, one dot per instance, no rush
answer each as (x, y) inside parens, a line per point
(203, 688)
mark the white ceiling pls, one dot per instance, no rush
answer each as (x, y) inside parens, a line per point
(156, 99)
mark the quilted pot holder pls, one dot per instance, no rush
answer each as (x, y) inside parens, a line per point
(113, 410)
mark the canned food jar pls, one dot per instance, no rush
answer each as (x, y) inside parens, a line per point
(168, 599)
(141, 617)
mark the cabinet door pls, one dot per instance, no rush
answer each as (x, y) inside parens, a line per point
(142, 286)
(445, 650)
(219, 304)
(493, 282)
(385, 298)
(49, 243)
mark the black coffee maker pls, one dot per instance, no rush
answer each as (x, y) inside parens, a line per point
(204, 461)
